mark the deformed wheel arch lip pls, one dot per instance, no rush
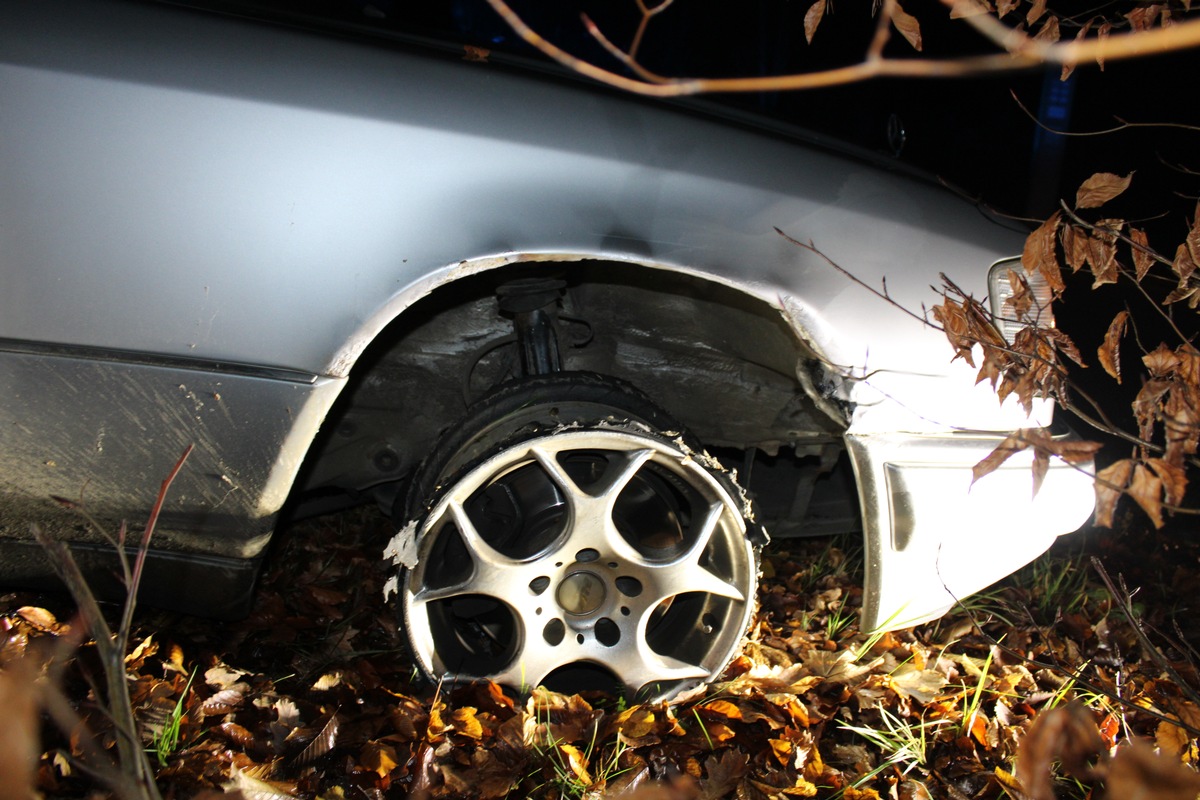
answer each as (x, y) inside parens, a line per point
(812, 333)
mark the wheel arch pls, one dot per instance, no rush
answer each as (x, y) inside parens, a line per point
(765, 348)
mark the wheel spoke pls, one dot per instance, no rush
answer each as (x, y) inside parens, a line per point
(481, 551)
(641, 665)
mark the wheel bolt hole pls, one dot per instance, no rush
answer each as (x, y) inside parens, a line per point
(554, 632)
(539, 611)
(539, 585)
(579, 638)
(630, 587)
(607, 632)
(624, 611)
(586, 555)
(612, 565)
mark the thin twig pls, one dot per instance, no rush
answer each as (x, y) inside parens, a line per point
(1123, 126)
(1123, 602)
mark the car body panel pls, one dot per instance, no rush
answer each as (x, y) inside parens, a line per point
(195, 189)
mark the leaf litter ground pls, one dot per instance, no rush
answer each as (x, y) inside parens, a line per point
(313, 695)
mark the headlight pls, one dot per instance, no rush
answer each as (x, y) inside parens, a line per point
(1000, 290)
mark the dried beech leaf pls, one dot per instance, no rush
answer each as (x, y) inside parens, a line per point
(1039, 256)
(1184, 265)
(1102, 253)
(1138, 771)
(968, 8)
(1146, 490)
(1005, 6)
(1075, 247)
(1049, 32)
(1193, 238)
(19, 740)
(812, 18)
(908, 26)
(1110, 352)
(1080, 36)
(1110, 485)
(1066, 734)
(1102, 34)
(1100, 188)
(1174, 480)
(1162, 362)
(223, 702)
(321, 745)
(237, 734)
(1036, 9)
(466, 723)
(1014, 443)
(1142, 260)
(380, 758)
(953, 319)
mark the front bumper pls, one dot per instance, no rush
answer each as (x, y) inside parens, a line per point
(932, 538)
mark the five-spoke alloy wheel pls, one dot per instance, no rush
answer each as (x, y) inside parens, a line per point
(601, 556)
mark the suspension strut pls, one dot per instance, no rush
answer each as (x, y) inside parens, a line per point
(533, 303)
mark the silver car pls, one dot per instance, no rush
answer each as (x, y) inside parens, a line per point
(552, 329)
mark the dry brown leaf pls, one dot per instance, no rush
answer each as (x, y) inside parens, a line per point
(812, 18)
(466, 723)
(1049, 32)
(1162, 362)
(321, 745)
(1014, 443)
(1102, 253)
(1100, 188)
(1174, 480)
(1183, 265)
(1170, 738)
(1110, 352)
(1080, 36)
(19, 741)
(1036, 10)
(953, 319)
(1193, 238)
(908, 26)
(1146, 490)
(379, 757)
(1039, 256)
(1142, 260)
(723, 772)
(1005, 6)
(969, 8)
(1136, 771)
(1110, 485)
(1145, 17)
(1075, 247)
(1066, 734)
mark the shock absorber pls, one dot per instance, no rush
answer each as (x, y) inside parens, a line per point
(533, 304)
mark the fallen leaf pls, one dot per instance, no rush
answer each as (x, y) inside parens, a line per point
(379, 757)
(19, 741)
(1136, 771)
(1100, 188)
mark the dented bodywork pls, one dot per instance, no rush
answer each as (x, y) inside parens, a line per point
(284, 247)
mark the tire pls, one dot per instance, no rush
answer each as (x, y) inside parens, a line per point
(571, 534)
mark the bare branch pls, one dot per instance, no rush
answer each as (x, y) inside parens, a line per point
(1023, 52)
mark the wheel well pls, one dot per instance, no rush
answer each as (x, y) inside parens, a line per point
(722, 362)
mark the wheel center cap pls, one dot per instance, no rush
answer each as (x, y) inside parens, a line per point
(581, 593)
